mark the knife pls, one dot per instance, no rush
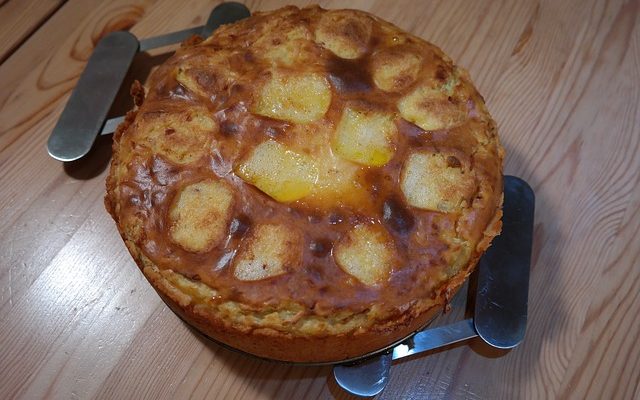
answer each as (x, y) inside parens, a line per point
(500, 314)
(83, 117)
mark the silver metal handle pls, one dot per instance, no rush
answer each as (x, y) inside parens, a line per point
(91, 99)
(83, 117)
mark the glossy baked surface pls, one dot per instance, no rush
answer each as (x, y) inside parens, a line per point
(308, 172)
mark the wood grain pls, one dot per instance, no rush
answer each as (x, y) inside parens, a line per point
(77, 320)
(19, 18)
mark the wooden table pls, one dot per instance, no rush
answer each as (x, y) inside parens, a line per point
(562, 78)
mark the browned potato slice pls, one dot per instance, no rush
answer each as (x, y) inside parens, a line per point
(434, 181)
(338, 182)
(207, 72)
(367, 253)
(278, 171)
(200, 214)
(180, 137)
(300, 98)
(293, 49)
(396, 68)
(365, 137)
(433, 107)
(269, 251)
(344, 32)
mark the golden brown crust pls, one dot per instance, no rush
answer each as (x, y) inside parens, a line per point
(306, 193)
(276, 345)
(272, 344)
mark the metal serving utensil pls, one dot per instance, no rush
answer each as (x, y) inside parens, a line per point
(83, 117)
(500, 315)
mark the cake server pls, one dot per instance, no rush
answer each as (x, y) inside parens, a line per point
(500, 314)
(83, 117)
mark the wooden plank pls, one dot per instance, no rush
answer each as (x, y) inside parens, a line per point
(46, 41)
(41, 90)
(54, 57)
(19, 19)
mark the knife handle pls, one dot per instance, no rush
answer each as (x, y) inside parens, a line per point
(84, 115)
(87, 108)
(503, 276)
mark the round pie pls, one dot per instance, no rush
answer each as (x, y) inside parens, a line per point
(307, 185)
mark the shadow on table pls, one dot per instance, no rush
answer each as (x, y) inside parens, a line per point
(464, 371)
(274, 379)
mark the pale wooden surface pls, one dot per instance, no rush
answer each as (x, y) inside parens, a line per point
(77, 320)
(19, 19)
